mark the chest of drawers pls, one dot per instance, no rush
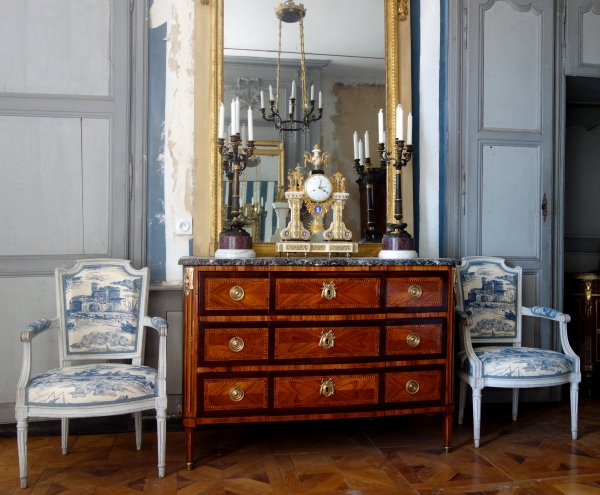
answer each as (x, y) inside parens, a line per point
(275, 339)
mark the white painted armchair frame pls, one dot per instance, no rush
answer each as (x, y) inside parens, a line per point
(23, 411)
(477, 381)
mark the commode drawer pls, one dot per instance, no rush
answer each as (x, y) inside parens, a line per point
(235, 344)
(230, 394)
(319, 293)
(425, 339)
(326, 342)
(326, 391)
(413, 386)
(236, 293)
(423, 292)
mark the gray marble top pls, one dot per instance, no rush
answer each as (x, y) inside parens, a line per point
(301, 261)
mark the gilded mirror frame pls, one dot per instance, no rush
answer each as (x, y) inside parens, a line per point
(398, 90)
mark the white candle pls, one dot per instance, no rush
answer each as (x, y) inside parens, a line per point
(399, 123)
(271, 93)
(293, 89)
(232, 126)
(262, 202)
(244, 136)
(229, 134)
(320, 100)
(380, 122)
(355, 140)
(312, 92)
(237, 115)
(250, 125)
(361, 155)
(367, 153)
(222, 121)
(290, 112)
(409, 130)
(262, 99)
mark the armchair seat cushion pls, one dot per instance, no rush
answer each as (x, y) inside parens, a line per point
(518, 362)
(92, 385)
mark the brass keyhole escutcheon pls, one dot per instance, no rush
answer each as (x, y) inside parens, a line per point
(413, 339)
(412, 387)
(327, 387)
(236, 293)
(415, 291)
(236, 394)
(236, 344)
(327, 339)
(329, 290)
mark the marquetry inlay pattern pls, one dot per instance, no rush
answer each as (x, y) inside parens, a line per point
(217, 343)
(217, 394)
(397, 386)
(218, 294)
(397, 339)
(402, 292)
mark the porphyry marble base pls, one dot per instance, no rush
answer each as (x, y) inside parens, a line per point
(235, 253)
(400, 254)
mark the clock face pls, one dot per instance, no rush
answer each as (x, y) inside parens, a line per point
(318, 187)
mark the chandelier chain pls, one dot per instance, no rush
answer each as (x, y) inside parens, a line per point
(303, 67)
(278, 67)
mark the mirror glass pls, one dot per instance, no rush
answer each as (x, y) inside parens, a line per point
(344, 44)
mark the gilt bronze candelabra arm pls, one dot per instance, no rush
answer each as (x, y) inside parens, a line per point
(403, 156)
(368, 175)
(235, 159)
(290, 124)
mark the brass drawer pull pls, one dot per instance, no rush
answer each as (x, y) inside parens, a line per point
(415, 291)
(327, 339)
(327, 387)
(413, 339)
(412, 387)
(236, 394)
(236, 293)
(236, 344)
(329, 290)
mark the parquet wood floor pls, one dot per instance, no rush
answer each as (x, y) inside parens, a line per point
(382, 456)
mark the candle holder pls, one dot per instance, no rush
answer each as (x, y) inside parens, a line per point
(290, 124)
(368, 175)
(396, 242)
(234, 241)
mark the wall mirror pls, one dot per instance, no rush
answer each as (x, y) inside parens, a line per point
(353, 63)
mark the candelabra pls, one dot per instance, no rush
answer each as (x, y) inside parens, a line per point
(396, 238)
(235, 160)
(290, 124)
(369, 175)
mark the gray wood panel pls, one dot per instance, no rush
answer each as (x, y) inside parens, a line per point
(511, 75)
(583, 38)
(55, 47)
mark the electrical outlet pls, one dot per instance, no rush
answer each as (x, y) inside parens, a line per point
(183, 226)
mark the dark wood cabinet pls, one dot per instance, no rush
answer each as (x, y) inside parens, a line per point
(280, 340)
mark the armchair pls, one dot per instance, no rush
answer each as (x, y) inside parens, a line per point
(489, 309)
(101, 316)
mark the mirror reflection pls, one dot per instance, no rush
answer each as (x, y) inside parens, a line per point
(345, 61)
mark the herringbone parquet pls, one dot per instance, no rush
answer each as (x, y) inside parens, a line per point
(369, 457)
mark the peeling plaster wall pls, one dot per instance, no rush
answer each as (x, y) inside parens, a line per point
(351, 105)
(177, 155)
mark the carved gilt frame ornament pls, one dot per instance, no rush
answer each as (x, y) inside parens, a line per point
(393, 13)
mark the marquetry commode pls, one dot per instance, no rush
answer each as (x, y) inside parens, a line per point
(277, 339)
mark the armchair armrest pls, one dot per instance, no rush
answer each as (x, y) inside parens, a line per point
(31, 330)
(465, 319)
(549, 313)
(162, 327)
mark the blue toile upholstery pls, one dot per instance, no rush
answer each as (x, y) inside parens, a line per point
(489, 310)
(101, 317)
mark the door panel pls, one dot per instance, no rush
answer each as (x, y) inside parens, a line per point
(583, 38)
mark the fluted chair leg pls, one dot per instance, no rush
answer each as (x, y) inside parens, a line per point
(161, 431)
(476, 416)
(574, 408)
(137, 418)
(462, 397)
(22, 447)
(64, 428)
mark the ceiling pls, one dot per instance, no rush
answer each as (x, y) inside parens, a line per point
(350, 34)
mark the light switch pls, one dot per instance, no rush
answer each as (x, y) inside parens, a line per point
(183, 226)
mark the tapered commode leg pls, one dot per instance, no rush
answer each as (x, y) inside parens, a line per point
(22, 445)
(476, 416)
(462, 397)
(64, 428)
(574, 408)
(190, 433)
(137, 418)
(448, 417)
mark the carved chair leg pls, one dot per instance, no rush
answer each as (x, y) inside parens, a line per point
(476, 416)
(22, 446)
(515, 404)
(64, 429)
(574, 408)
(161, 432)
(462, 397)
(137, 418)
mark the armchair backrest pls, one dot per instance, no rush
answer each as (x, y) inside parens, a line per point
(490, 293)
(101, 305)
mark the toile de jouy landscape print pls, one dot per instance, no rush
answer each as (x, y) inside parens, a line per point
(490, 299)
(102, 311)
